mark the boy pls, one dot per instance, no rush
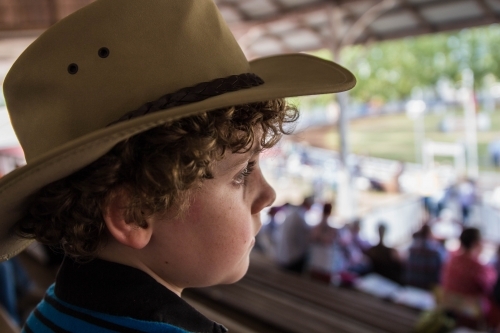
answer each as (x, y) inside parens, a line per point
(147, 202)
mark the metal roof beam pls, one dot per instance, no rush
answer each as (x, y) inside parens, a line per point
(449, 26)
(352, 18)
(487, 10)
(418, 15)
(297, 11)
(362, 22)
(429, 5)
(243, 15)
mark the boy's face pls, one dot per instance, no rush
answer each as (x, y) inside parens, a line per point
(210, 243)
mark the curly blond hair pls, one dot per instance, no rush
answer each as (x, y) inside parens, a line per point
(155, 168)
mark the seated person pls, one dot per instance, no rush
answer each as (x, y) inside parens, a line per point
(292, 240)
(354, 248)
(144, 203)
(322, 250)
(385, 260)
(467, 283)
(265, 241)
(423, 267)
(356, 239)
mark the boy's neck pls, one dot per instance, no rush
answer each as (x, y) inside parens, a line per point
(124, 255)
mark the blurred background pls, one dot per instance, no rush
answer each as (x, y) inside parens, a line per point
(415, 145)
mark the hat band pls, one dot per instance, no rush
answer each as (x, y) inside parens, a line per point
(195, 93)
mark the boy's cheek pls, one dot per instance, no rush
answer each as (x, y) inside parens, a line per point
(194, 213)
(257, 223)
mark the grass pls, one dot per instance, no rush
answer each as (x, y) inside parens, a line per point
(392, 137)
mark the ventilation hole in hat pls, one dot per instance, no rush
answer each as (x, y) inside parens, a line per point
(73, 68)
(103, 52)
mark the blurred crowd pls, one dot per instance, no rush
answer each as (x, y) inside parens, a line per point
(466, 287)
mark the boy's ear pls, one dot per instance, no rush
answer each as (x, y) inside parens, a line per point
(129, 234)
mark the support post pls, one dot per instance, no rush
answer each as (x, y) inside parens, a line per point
(345, 206)
(470, 121)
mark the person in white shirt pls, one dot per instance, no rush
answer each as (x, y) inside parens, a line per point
(293, 238)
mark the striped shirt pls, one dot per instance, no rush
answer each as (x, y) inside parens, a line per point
(103, 296)
(54, 315)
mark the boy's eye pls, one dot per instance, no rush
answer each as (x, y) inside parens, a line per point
(240, 179)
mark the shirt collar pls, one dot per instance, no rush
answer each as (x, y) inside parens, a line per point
(122, 290)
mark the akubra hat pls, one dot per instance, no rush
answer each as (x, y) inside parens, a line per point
(117, 68)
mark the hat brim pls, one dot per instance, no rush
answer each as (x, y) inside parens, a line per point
(284, 76)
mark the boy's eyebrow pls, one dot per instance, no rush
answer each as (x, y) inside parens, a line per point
(243, 159)
(255, 150)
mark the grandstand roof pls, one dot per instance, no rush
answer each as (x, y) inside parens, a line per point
(265, 27)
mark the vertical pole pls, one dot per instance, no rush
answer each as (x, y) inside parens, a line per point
(421, 138)
(345, 198)
(470, 123)
(343, 127)
(335, 48)
(416, 138)
(460, 161)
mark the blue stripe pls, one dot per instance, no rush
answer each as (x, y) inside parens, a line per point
(69, 323)
(49, 323)
(36, 326)
(141, 325)
(87, 318)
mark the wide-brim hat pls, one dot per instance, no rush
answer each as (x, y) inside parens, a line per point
(87, 82)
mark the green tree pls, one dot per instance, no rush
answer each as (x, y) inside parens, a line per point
(390, 70)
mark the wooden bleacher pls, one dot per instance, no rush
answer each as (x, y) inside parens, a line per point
(284, 312)
(268, 300)
(235, 325)
(290, 303)
(349, 303)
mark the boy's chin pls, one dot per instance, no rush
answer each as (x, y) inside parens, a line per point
(236, 276)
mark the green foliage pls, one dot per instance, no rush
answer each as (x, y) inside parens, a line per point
(390, 70)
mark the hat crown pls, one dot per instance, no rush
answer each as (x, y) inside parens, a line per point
(109, 58)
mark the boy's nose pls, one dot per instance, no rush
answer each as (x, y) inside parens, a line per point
(265, 197)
